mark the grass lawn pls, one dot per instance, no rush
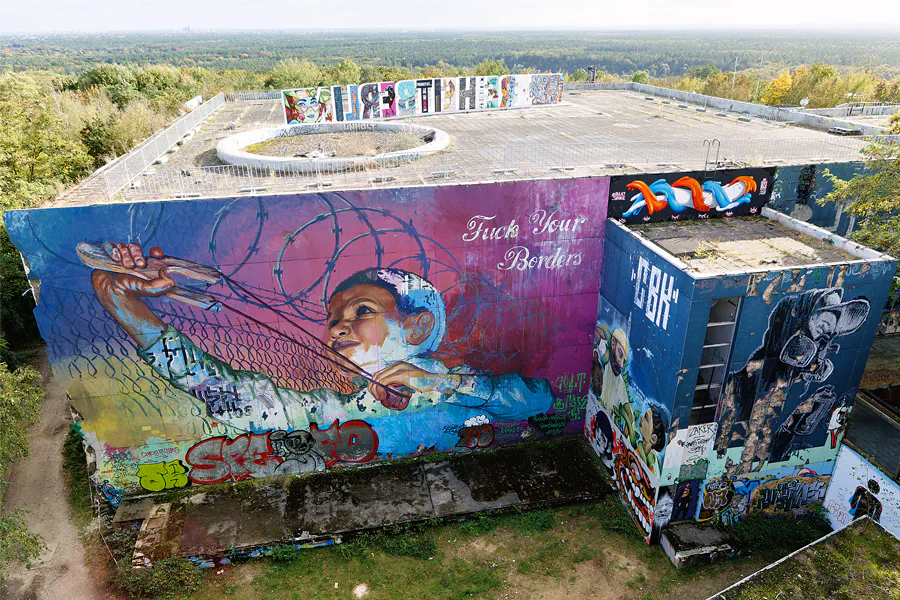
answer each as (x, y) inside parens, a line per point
(574, 552)
(860, 563)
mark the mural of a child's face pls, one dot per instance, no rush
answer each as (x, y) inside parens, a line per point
(365, 326)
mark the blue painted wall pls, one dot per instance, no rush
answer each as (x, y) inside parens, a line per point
(798, 188)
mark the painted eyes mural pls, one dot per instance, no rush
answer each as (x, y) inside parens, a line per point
(221, 340)
(408, 98)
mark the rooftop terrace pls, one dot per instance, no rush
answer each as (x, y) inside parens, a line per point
(720, 246)
(590, 133)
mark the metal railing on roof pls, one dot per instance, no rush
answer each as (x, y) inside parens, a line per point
(146, 153)
(250, 95)
(486, 164)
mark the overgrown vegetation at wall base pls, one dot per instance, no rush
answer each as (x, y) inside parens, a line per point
(775, 537)
(175, 577)
(20, 400)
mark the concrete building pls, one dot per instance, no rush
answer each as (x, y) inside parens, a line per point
(603, 264)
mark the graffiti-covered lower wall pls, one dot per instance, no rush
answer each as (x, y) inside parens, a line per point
(416, 97)
(638, 344)
(218, 340)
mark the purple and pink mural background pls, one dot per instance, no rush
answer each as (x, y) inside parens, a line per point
(506, 276)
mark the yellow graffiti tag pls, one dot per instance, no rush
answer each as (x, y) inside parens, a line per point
(162, 476)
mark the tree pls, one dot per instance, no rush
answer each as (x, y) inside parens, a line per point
(894, 124)
(491, 67)
(579, 75)
(872, 198)
(20, 400)
(345, 73)
(777, 90)
(293, 73)
(640, 77)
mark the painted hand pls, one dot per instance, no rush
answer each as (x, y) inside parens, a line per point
(121, 293)
(407, 379)
(131, 256)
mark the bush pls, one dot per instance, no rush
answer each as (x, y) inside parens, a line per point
(166, 579)
(776, 536)
(77, 478)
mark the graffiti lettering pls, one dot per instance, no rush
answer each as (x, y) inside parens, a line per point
(279, 452)
(162, 476)
(570, 383)
(785, 496)
(549, 425)
(353, 442)
(479, 436)
(478, 229)
(654, 292)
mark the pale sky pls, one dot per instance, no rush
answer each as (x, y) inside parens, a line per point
(116, 15)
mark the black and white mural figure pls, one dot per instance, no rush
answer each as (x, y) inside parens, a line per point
(798, 349)
(804, 421)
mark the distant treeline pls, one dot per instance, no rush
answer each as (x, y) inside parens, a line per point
(659, 53)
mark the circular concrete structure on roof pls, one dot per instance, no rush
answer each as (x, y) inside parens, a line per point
(231, 149)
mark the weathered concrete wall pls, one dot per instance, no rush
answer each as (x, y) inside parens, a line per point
(306, 331)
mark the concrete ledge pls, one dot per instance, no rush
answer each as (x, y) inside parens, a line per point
(231, 149)
(690, 543)
(215, 525)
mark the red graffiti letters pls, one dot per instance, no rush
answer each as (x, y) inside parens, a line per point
(352, 442)
(479, 436)
(256, 455)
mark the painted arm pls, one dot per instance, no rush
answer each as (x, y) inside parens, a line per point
(508, 397)
(242, 399)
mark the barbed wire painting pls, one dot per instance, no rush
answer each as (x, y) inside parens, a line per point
(227, 338)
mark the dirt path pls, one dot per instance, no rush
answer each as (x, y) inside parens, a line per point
(36, 483)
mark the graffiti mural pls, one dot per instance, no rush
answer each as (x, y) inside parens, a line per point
(859, 489)
(310, 105)
(686, 500)
(687, 453)
(228, 339)
(692, 195)
(635, 487)
(626, 427)
(639, 420)
(412, 97)
(790, 371)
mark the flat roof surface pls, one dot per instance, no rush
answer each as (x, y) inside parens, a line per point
(591, 133)
(744, 244)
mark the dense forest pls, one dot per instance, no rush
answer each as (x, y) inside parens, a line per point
(659, 53)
